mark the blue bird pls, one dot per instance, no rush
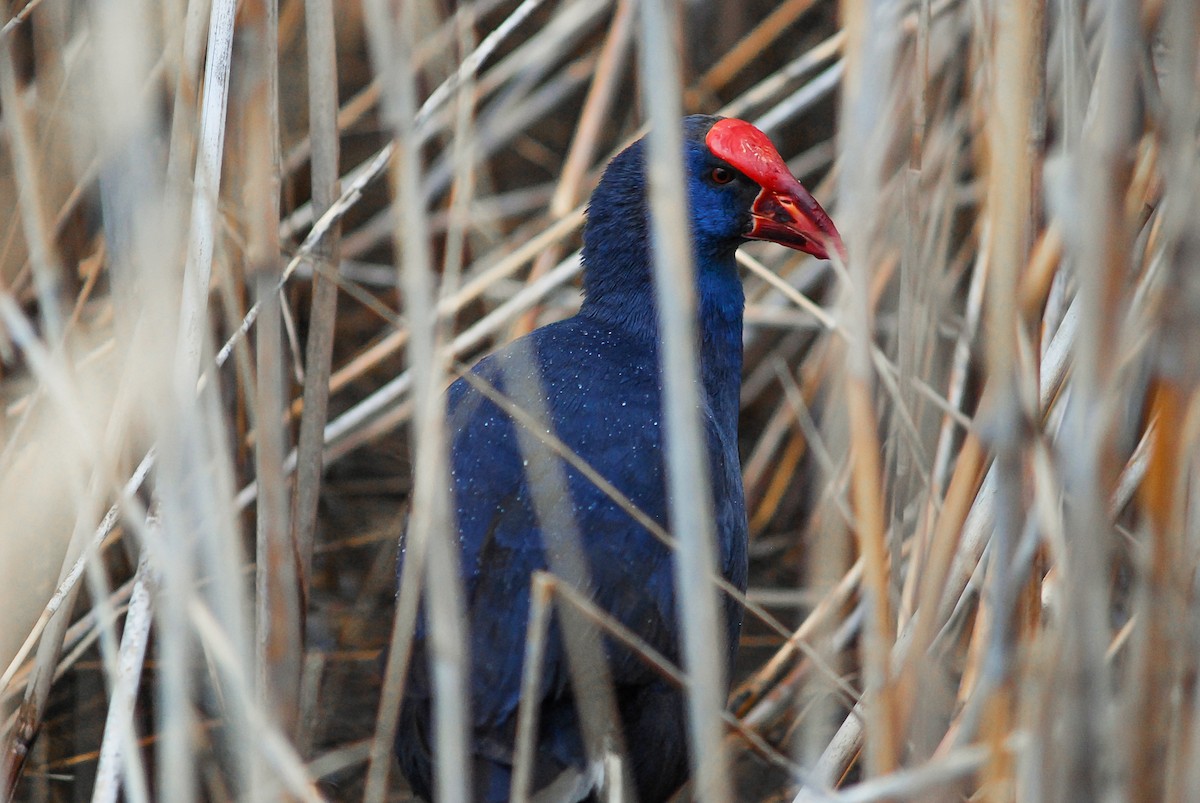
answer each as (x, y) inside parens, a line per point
(599, 373)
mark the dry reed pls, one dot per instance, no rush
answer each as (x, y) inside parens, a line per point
(966, 448)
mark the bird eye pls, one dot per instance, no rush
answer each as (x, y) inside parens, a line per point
(721, 175)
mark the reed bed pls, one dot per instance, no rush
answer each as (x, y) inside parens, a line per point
(244, 246)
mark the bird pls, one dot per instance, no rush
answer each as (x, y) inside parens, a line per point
(599, 375)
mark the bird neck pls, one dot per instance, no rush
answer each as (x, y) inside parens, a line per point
(630, 306)
(719, 322)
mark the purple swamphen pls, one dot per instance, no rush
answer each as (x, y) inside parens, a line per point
(600, 376)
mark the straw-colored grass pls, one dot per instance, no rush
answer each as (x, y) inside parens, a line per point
(244, 246)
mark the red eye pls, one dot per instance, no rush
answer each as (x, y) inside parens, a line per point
(721, 175)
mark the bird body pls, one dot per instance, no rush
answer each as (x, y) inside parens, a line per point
(599, 375)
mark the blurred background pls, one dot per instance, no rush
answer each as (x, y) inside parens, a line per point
(966, 450)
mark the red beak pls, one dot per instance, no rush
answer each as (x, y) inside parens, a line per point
(784, 212)
(795, 219)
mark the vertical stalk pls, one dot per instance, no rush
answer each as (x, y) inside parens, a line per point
(688, 481)
(431, 520)
(119, 756)
(277, 600)
(871, 45)
(198, 269)
(19, 127)
(323, 132)
(1097, 235)
(1008, 207)
(1166, 648)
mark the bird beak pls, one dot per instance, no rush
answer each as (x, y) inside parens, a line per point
(784, 212)
(791, 217)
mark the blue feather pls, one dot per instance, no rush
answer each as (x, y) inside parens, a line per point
(600, 375)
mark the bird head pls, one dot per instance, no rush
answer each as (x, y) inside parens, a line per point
(736, 160)
(738, 189)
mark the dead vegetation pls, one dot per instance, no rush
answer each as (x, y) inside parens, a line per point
(966, 450)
